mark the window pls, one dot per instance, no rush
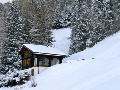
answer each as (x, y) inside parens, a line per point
(27, 52)
(24, 62)
(54, 61)
(43, 61)
(28, 62)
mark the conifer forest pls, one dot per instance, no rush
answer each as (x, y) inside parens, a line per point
(32, 22)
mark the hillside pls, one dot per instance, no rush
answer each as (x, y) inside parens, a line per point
(108, 48)
(62, 40)
(100, 69)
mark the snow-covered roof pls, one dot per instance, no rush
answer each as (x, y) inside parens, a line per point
(40, 49)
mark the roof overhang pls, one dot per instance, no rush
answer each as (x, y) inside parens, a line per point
(43, 50)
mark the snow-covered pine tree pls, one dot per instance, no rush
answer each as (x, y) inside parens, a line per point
(109, 17)
(112, 16)
(41, 33)
(97, 22)
(80, 26)
(62, 13)
(14, 23)
(2, 30)
(66, 13)
(57, 17)
(104, 21)
(116, 11)
(28, 12)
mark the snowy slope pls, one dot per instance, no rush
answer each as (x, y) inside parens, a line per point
(61, 38)
(99, 71)
(108, 48)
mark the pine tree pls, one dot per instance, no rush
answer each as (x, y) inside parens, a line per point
(112, 16)
(28, 13)
(109, 17)
(80, 26)
(62, 13)
(97, 32)
(15, 38)
(2, 29)
(41, 34)
(37, 16)
(116, 11)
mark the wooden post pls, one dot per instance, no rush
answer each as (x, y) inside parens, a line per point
(50, 58)
(49, 62)
(32, 71)
(22, 61)
(38, 57)
(60, 60)
(32, 60)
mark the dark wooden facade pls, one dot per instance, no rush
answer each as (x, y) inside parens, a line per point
(32, 59)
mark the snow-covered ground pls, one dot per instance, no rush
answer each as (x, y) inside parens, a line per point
(96, 68)
(5, 1)
(62, 39)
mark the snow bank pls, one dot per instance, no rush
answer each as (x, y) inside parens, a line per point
(81, 75)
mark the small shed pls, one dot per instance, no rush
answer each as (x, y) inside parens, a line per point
(39, 55)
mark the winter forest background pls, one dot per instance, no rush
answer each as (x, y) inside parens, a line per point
(32, 21)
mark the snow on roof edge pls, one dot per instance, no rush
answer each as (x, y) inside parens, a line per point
(41, 49)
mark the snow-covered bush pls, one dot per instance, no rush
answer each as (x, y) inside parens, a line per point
(14, 78)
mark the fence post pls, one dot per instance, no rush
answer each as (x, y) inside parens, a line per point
(32, 71)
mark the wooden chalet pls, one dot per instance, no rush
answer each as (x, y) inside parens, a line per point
(39, 55)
